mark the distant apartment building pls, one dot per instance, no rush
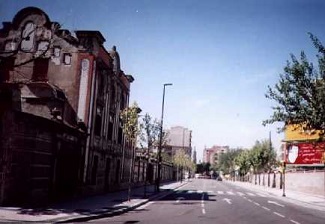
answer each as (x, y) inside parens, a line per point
(178, 138)
(212, 155)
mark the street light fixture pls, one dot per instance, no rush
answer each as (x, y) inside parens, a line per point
(160, 137)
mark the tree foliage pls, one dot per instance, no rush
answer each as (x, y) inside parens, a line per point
(129, 117)
(181, 159)
(149, 136)
(300, 92)
(203, 168)
(261, 157)
(243, 162)
(150, 129)
(226, 162)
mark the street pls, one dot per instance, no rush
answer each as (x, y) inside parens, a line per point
(210, 201)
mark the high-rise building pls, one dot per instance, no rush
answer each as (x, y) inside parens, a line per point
(179, 137)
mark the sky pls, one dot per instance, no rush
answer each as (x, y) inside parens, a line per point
(219, 55)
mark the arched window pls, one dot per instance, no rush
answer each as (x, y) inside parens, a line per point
(28, 36)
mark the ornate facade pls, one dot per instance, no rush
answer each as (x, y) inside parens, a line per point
(61, 95)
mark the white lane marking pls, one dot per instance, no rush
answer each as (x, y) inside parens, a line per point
(230, 193)
(179, 199)
(257, 204)
(227, 200)
(145, 205)
(275, 203)
(191, 192)
(267, 209)
(250, 194)
(210, 192)
(293, 221)
(240, 193)
(249, 200)
(220, 192)
(244, 197)
(278, 214)
(261, 195)
(202, 204)
(199, 191)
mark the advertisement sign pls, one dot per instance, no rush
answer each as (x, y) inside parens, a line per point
(305, 153)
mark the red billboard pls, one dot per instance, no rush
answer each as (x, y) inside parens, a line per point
(305, 153)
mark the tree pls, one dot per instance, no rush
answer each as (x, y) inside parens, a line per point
(203, 168)
(262, 156)
(131, 129)
(300, 92)
(149, 132)
(227, 161)
(166, 157)
(243, 162)
(183, 161)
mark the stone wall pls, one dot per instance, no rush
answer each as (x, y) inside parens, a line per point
(41, 160)
(310, 182)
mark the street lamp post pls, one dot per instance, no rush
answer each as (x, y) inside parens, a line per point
(160, 137)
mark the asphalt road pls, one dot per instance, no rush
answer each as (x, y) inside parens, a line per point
(210, 201)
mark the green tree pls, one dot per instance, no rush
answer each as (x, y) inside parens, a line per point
(300, 92)
(166, 157)
(262, 156)
(183, 161)
(131, 130)
(149, 135)
(243, 162)
(227, 161)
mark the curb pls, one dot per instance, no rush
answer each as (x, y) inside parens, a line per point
(290, 199)
(106, 214)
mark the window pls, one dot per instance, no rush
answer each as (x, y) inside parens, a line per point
(40, 69)
(10, 46)
(120, 133)
(94, 170)
(98, 122)
(6, 65)
(42, 47)
(28, 35)
(122, 103)
(110, 127)
(112, 94)
(67, 59)
(56, 52)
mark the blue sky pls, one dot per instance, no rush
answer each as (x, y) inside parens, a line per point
(219, 55)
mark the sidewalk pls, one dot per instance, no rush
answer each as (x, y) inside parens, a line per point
(85, 209)
(303, 199)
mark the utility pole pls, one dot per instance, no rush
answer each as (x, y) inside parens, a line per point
(160, 139)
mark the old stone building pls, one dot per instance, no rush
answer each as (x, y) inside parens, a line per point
(61, 95)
